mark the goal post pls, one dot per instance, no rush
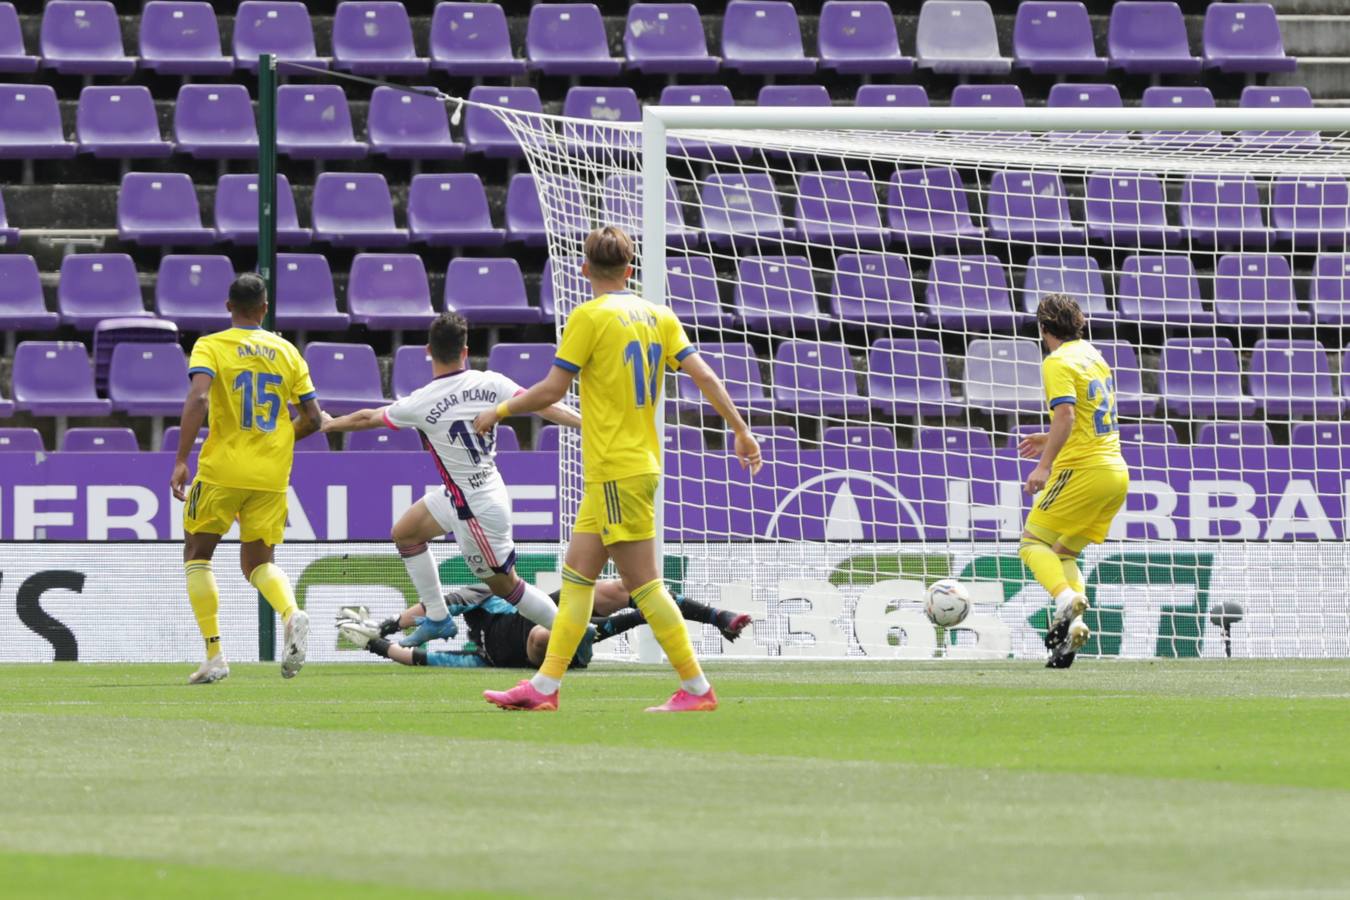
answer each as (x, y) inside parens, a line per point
(863, 279)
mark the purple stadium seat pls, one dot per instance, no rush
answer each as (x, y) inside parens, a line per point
(864, 437)
(346, 376)
(21, 440)
(160, 208)
(858, 37)
(793, 95)
(569, 39)
(775, 293)
(280, 28)
(472, 39)
(604, 106)
(574, 286)
(928, 208)
(9, 237)
(667, 39)
(389, 292)
(181, 37)
(1244, 37)
(1091, 96)
(971, 293)
(737, 365)
(215, 121)
(524, 215)
(22, 307)
(190, 291)
(1128, 209)
(890, 95)
(691, 292)
(1234, 434)
(907, 378)
(109, 334)
(1292, 378)
(1310, 210)
(169, 442)
(1159, 97)
(98, 286)
(621, 205)
(1293, 97)
(1078, 276)
(742, 210)
(1149, 433)
(1201, 378)
(1329, 295)
(120, 123)
(1131, 400)
(839, 209)
(814, 378)
(484, 131)
(698, 95)
(1222, 211)
(30, 123)
(525, 364)
(55, 378)
(147, 379)
(451, 211)
(1256, 289)
(548, 438)
(316, 441)
(1004, 376)
(764, 37)
(1030, 207)
(100, 440)
(956, 441)
(412, 369)
(874, 289)
(354, 209)
(314, 122)
(1149, 38)
(14, 59)
(958, 37)
(998, 95)
(1320, 434)
(83, 37)
(305, 295)
(488, 292)
(1160, 289)
(402, 125)
(1055, 38)
(682, 437)
(236, 212)
(375, 38)
(407, 440)
(774, 440)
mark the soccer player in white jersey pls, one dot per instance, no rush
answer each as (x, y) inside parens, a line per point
(473, 504)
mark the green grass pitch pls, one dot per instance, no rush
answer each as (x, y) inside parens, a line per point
(1206, 778)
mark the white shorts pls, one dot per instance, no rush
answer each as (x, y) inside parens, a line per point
(481, 526)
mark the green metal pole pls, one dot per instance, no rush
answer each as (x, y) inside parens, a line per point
(267, 264)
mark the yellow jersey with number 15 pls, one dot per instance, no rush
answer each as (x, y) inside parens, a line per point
(621, 345)
(1076, 373)
(254, 374)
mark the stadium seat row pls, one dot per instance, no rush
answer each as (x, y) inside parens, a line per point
(757, 37)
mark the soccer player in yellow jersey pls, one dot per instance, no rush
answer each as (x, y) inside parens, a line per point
(621, 345)
(1081, 480)
(245, 377)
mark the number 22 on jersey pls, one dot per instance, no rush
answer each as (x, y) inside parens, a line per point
(1104, 416)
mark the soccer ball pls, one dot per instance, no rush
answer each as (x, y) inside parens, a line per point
(947, 603)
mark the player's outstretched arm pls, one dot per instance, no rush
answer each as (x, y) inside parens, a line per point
(747, 448)
(1061, 424)
(309, 420)
(190, 422)
(361, 420)
(547, 392)
(561, 414)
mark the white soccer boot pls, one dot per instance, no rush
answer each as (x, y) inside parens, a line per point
(210, 671)
(295, 644)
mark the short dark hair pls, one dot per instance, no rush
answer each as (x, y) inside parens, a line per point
(1060, 315)
(447, 337)
(610, 252)
(248, 292)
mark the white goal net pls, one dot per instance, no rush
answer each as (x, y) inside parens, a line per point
(864, 287)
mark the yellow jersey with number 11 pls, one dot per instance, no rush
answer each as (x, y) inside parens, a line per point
(1076, 373)
(254, 375)
(621, 345)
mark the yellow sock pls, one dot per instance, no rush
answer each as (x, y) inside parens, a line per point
(1044, 564)
(661, 613)
(575, 603)
(1072, 573)
(275, 587)
(205, 599)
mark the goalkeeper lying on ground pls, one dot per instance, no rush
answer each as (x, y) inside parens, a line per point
(502, 638)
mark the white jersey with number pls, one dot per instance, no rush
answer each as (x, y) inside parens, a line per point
(474, 505)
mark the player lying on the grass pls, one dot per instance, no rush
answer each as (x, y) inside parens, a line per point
(505, 639)
(1081, 479)
(242, 378)
(473, 504)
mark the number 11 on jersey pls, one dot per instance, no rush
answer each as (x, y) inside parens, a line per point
(646, 373)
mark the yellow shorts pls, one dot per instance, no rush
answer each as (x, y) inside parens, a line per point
(212, 509)
(1078, 505)
(618, 511)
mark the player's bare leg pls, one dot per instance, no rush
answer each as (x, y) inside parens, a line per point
(411, 533)
(204, 595)
(255, 560)
(528, 600)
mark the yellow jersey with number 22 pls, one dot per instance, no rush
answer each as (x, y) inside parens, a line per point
(1076, 373)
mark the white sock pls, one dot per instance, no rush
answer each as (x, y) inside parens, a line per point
(533, 604)
(1063, 600)
(697, 686)
(426, 580)
(545, 685)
